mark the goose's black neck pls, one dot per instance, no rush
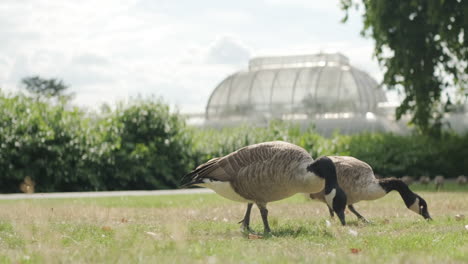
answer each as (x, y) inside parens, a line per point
(325, 169)
(331, 181)
(390, 184)
(334, 195)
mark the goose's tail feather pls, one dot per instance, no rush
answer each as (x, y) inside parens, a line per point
(198, 174)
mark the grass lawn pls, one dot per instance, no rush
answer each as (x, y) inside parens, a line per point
(203, 228)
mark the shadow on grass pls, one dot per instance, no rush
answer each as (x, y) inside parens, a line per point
(296, 232)
(316, 229)
(291, 232)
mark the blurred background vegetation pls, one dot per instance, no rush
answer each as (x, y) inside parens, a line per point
(143, 144)
(48, 145)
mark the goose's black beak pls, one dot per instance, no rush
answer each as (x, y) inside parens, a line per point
(423, 209)
(425, 214)
(341, 216)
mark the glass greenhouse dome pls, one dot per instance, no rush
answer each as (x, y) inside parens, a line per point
(324, 88)
(295, 87)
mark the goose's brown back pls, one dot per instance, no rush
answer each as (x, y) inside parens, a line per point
(354, 176)
(263, 172)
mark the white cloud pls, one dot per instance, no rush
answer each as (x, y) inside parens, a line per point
(329, 6)
(227, 50)
(110, 50)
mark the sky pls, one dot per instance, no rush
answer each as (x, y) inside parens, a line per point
(179, 50)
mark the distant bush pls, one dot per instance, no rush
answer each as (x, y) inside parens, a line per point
(150, 149)
(137, 146)
(414, 155)
(45, 142)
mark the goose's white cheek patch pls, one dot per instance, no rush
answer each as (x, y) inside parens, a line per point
(415, 206)
(329, 198)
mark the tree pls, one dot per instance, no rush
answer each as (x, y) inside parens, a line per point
(422, 47)
(45, 87)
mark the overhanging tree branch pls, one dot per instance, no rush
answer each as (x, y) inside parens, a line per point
(422, 47)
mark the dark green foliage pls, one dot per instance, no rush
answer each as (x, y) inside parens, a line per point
(422, 47)
(152, 151)
(44, 142)
(140, 146)
(44, 87)
(414, 155)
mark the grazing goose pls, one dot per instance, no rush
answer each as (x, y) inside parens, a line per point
(439, 181)
(357, 180)
(407, 179)
(424, 180)
(461, 180)
(268, 172)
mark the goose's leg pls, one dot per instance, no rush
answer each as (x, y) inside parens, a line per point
(331, 211)
(264, 213)
(246, 221)
(351, 208)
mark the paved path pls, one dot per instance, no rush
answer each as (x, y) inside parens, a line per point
(14, 196)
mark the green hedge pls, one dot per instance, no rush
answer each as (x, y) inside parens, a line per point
(150, 147)
(143, 145)
(415, 155)
(388, 154)
(140, 145)
(45, 142)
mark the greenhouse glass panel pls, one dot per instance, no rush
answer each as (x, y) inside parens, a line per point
(299, 86)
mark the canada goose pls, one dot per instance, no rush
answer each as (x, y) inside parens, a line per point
(407, 179)
(268, 172)
(439, 181)
(357, 180)
(461, 180)
(27, 186)
(424, 180)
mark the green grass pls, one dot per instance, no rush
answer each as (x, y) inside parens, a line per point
(203, 228)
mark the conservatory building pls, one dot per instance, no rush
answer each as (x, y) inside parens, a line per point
(321, 89)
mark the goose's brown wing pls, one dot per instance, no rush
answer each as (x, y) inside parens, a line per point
(245, 161)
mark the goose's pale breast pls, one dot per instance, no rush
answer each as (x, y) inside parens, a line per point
(225, 190)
